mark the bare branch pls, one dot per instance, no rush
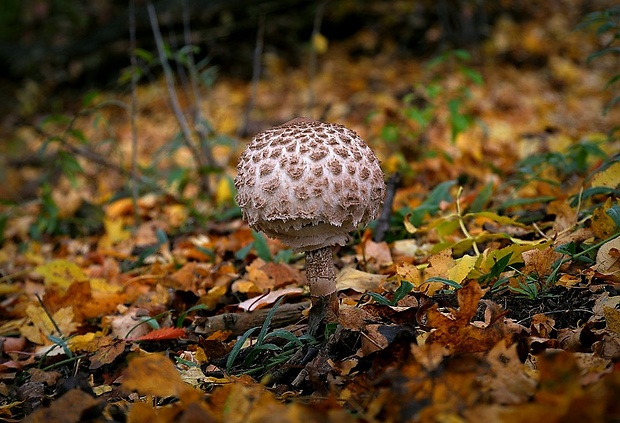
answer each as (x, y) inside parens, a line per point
(174, 100)
(256, 68)
(134, 109)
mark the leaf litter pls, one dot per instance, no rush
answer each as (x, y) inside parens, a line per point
(493, 296)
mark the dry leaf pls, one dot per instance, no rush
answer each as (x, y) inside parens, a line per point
(154, 374)
(455, 330)
(350, 278)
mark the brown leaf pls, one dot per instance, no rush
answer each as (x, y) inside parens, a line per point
(542, 325)
(38, 375)
(156, 375)
(457, 333)
(106, 354)
(539, 262)
(69, 408)
(508, 380)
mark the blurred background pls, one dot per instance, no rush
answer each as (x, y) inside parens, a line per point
(110, 99)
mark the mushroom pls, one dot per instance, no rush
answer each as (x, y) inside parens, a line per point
(309, 184)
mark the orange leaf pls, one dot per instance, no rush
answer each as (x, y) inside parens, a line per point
(162, 334)
(156, 375)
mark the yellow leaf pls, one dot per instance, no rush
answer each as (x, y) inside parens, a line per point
(224, 192)
(603, 225)
(567, 280)
(82, 342)
(463, 266)
(8, 288)
(410, 227)
(213, 296)
(60, 272)
(490, 257)
(102, 285)
(156, 375)
(609, 177)
(612, 316)
(41, 325)
(114, 230)
(410, 273)
(349, 278)
(319, 43)
(176, 214)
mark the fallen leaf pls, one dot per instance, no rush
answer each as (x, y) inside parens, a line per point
(612, 317)
(357, 280)
(609, 177)
(74, 406)
(61, 273)
(603, 225)
(542, 325)
(270, 298)
(608, 259)
(440, 265)
(462, 267)
(539, 262)
(162, 334)
(456, 331)
(106, 354)
(154, 374)
(41, 324)
(508, 380)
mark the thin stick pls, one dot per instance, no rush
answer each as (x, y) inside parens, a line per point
(133, 111)
(49, 315)
(174, 100)
(256, 68)
(199, 125)
(312, 66)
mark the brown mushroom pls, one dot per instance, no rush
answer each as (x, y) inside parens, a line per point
(309, 184)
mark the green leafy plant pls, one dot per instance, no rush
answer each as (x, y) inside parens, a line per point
(607, 22)
(404, 288)
(423, 107)
(261, 248)
(529, 286)
(162, 239)
(263, 355)
(556, 169)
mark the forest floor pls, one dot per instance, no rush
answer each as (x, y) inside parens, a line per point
(492, 295)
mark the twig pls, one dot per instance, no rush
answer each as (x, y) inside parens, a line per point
(256, 68)
(133, 110)
(199, 125)
(238, 323)
(49, 315)
(100, 160)
(174, 100)
(383, 222)
(312, 66)
(462, 222)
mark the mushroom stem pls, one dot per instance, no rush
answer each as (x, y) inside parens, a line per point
(321, 277)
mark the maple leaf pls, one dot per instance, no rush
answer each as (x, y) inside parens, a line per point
(456, 331)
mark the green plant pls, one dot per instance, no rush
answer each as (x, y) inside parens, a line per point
(262, 250)
(423, 107)
(608, 23)
(162, 239)
(529, 286)
(404, 288)
(555, 168)
(262, 355)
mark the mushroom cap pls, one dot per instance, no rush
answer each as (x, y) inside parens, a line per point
(309, 183)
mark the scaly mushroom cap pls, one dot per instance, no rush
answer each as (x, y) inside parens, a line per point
(308, 183)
